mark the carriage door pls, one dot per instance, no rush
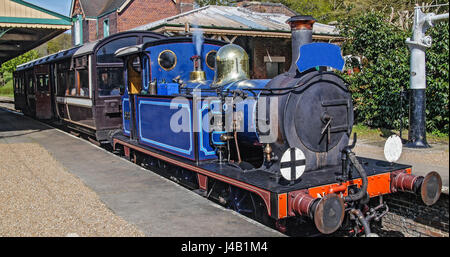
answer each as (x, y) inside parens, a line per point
(43, 94)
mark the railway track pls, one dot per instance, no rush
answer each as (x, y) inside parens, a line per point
(407, 216)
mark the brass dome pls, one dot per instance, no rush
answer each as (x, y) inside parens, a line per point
(231, 65)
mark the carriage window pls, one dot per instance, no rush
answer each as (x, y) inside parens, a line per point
(62, 76)
(71, 87)
(83, 76)
(21, 85)
(39, 82)
(30, 85)
(109, 80)
(106, 53)
(42, 83)
(15, 85)
(62, 83)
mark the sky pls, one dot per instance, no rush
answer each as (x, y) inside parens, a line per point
(59, 6)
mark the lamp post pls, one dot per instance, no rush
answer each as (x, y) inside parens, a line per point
(417, 99)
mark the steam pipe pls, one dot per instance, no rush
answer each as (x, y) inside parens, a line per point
(363, 220)
(362, 173)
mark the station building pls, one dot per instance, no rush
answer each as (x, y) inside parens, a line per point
(260, 28)
(97, 19)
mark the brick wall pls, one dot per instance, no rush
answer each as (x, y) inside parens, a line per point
(141, 12)
(408, 216)
(275, 47)
(92, 30)
(112, 19)
(76, 10)
(185, 5)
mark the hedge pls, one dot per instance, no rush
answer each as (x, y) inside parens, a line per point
(376, 90)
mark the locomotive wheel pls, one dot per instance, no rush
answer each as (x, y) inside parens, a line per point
(247, 204)
(187, 177)
(241, 201)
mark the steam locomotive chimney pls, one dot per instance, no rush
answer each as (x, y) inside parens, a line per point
(301, 27)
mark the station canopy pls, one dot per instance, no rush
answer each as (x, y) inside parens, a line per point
(221, 22)
(24, 26)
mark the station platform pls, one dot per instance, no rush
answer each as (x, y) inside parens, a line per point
(155, 205)
(423, 160)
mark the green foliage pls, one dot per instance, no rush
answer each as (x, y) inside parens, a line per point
(12, 64)
(321, 10)
(376, 90)
(325, 11)
(61, 42)
(437, 80)
(7, 89)
(202, 3)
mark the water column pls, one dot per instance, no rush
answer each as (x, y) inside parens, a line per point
(417, 97)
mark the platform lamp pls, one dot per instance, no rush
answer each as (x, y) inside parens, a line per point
(417, 46)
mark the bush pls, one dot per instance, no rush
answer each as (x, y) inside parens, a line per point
(7, 89)
(12, 64)
(376, 90)
(437, 80)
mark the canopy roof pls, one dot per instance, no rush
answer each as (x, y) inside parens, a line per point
(227, 20)
(24, 26)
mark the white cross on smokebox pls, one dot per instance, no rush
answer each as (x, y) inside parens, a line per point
(293, 163)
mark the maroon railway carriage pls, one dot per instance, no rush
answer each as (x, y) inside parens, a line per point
(79, 87)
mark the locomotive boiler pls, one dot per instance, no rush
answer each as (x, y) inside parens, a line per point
(274, 149)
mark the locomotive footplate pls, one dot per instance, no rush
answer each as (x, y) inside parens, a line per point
(275, 195)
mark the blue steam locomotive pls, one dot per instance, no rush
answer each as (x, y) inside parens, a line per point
(274, 150)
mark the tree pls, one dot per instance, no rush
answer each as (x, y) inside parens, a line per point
(12, 64)
(326, 11)
(61, 42)
(55, 45)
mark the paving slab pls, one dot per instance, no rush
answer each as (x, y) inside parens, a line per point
(157, 206)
